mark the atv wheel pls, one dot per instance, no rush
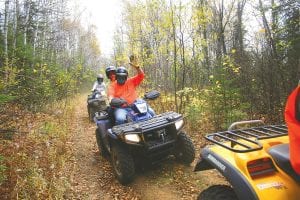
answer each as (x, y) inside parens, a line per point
(100, 144)
(123, 164)
(91, 114)
(185, 151)
(218, 192)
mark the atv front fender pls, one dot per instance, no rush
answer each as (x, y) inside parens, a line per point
(211, 160)
(111, 135)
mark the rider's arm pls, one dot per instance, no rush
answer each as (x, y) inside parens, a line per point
(139, 70)
(140, 75)
(94, 86)
(103, 86)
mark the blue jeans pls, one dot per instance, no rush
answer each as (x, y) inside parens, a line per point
(121, 114)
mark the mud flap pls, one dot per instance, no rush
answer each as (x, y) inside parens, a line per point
(202, 165)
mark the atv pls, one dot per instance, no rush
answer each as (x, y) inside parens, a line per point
(96, 102)
(143, 139)
(254, 160)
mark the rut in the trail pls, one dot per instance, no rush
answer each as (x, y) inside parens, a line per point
(92, 176)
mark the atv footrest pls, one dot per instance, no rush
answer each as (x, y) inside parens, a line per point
(158, 121)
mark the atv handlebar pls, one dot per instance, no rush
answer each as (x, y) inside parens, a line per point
(233, 125)
(118, 103)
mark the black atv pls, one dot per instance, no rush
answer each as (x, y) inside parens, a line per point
(96, 102)
(146, 140)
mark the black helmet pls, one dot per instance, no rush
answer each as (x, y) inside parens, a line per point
(100, 78)
(110, 69)
(121, 75)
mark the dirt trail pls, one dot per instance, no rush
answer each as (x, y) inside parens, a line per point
(93, 178)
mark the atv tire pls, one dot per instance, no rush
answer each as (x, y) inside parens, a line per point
(91, 114)
(100, 144)
(123, 164)
(185, 151)
(218, 192)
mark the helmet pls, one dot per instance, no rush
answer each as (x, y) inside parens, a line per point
(121, 75)
(110, 69)
(100, 78)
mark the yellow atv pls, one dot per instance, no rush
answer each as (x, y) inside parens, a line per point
(255, 161)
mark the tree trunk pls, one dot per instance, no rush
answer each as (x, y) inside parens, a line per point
(5, 30)
(239, 31)
(15, 27)
(205, 51)
(27, 6)
(222, 29)
(268, 30)
(175, 56)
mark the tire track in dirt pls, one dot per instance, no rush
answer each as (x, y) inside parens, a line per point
(86, 171)
(93, 178)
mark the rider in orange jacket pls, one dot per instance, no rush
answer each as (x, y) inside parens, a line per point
(125, 88)
(292, 119)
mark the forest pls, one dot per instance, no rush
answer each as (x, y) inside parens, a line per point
(214, 61)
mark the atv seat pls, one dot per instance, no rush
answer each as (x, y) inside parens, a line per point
(281, 155)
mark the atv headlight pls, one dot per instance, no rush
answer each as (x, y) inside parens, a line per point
(179, 124)
(132, 138)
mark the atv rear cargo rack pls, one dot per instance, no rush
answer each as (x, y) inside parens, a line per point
(157, 122)
(246, 139)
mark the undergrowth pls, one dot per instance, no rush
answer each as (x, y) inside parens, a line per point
(2, 170)
(202, 109)
(33, 165)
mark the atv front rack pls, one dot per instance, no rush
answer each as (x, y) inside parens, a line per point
(157, 122)
(246, 140)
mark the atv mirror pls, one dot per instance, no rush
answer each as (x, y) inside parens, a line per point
(152, 95)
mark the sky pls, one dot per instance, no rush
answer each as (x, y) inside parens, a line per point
(104, 14)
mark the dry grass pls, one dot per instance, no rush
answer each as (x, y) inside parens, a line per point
(33, 160)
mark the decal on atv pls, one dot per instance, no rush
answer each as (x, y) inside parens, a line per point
(275, 185)
(216, 162)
